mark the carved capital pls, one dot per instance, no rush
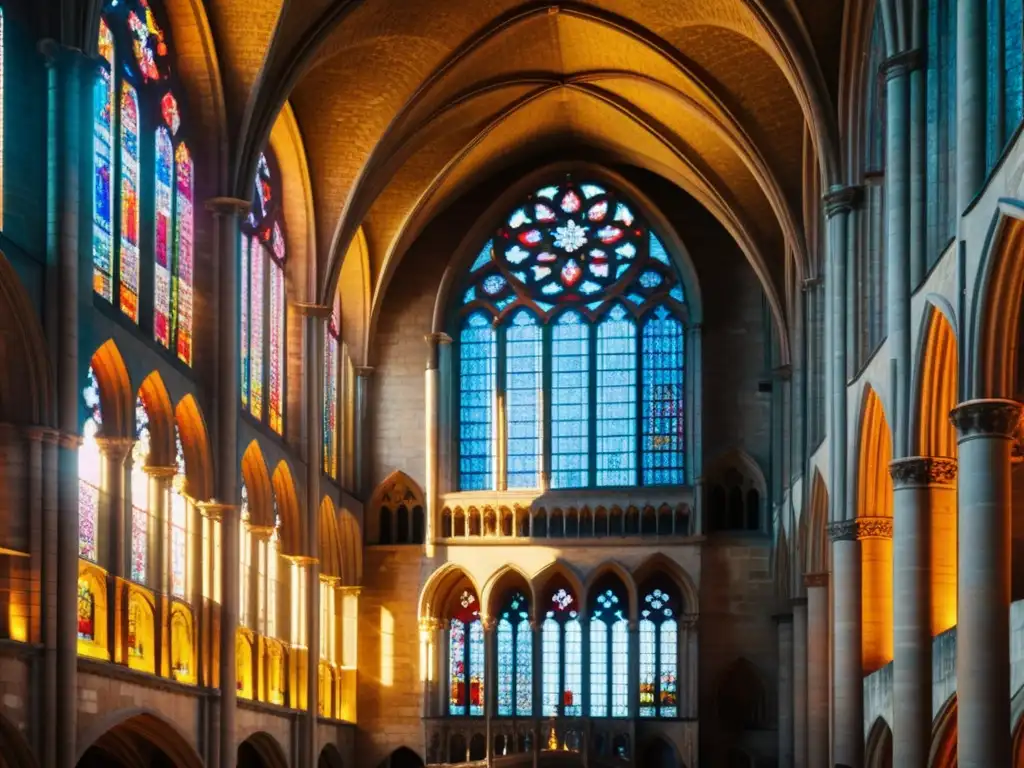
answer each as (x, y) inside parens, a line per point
(42, 434)
(923, 471)
(158, 472)
(902, 64)
(214, 510)
(227, 206)
(262, 532)
(434, 342)
(364, 371)
(303, 561)
(810, 283)
(840, 200)
(489, 623)
(986, 418)
(429, 625)
(115, 448)
(312, 309)
(861, 528)
(816, 579)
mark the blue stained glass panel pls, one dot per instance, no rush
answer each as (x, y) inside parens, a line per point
(483, 258)
(551, 646)
(476, 668)
(620, 668)
(570, 401)
(456, 668)
(524, 669)
(648, 667)
(572, 695)
(469, 295)
(1013, 66)
(650, 279)
(677, 294)
(548, 193)
(476, 403)
(523, 356)
(662, 419)
(502, 303)
(493, 284)
(506, 665)
(598, 668)
(591, 190)
(658, 250)
(636, 298)
(668, 702)
(616, 399)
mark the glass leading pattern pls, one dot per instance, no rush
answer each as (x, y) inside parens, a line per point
(523, 354)
(648, 667)
(524, 669)
(466, 658)
(277, 310)
(103, 131)
(620, 668)
(243, 251)
(164, 166)
(616, 399)
(476, 668)
(89, 469)
(570, 401)
(506, 666)
(183, 258)
(659, 649)
(257, 269)
(598, 668)
(140, 494)
(572, 694)
(662, 419)
(330, 416)
(129, 253)
(179, 524)
(551, 647)
(667, 668)
(476, 411)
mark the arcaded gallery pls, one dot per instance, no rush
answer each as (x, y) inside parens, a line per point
(492, 383)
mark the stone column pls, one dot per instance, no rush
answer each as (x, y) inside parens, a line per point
(112, 545)
(784, 627)
(432, 392)
(970, 102)
(490, 680)
(986, 431)
(227, 403)
(539, 731)
(913, 480)
(847, 634)
(799, 605)
(68, 92)
(817, 669)
(363, 375)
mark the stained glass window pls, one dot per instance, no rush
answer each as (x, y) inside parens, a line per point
(578, 258)
(1004, 76)
(609, 654)
(476, 412)
(940, 121)
(263, 307)
(141, 82)
(562, 656)
(89, 470)
(515, 659)
(140, 494)
(466, 657)
(179, 525)
(86, 612)
(523, 354)
(244, 560)
(659, 653)
(331, 373)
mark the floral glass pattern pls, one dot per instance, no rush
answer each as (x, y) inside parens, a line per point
(562, 657)
(140, 494)
(86, 612)
(515, 659)
(659, 654)
(89, 469)
(466, 657)
(576, 300)
(332, 344)
(609, 655)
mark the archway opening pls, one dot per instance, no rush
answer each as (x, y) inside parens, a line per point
(260, 751)
(658, 753)
(403, 757)
(330, 757)
(141, 741)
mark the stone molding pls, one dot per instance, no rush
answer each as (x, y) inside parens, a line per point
(434, 342)
(312, 309)
(159, 472)
(214, 510)
(923, 471)
(116, 448)
(816, 579)
(861, 528)
(364, 371)
(303, 561)
(429, 624)
(986, 418)
(902, 64)
(841, 200)
(227, 205)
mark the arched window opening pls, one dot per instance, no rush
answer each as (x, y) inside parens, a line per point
(263, 300)
(734, 499)
(89, 471)
(515, 658)
(332, 351)
(179, 524)
(465, 655)
(135, 75)
(742, 700)
(562, 655)
(385, 525)
(753, 519)
(609, 651)
(402, 532)
(659, 649)
(140, 495)
(1005, 74)
(244, 560)
(576, 302)
(940, 140)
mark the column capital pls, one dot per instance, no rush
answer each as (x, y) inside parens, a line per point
(861, 528)
(41, 434)
(488, 623)
(116, 448)
(312, 309)
(819, 579)
(227, 206)
(214, 510)
(349, 590)
(811, 282)
(429, 624)
(841, 200)
(56, 53)
(986, 418)
(923, 471)
(434, 342)
(364, 371)
(262, 532)
(902, 64)
(158, 472)
(303, 561)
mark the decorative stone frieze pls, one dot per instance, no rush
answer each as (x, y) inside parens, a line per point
(861, 528)
(986, 418)
(816, 579)
(923, 471)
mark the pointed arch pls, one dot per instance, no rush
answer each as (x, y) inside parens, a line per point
(16, 751)
(659, 563)
(932, 432)
(439, 587)
(157, 403)
(619, 572)
(350, 541)
(874, 484)
(297, 200)
(549, 573)
(257, 483)
(264, 747)
(117, 399)
(195, 444)
(942, 753)
(878, 751)
(356, 296)
(397, 496)
(27, 397)
(140, 729)
(330, 552)
(330, 757)
(503, 582)
(293, 529)
(816, 553)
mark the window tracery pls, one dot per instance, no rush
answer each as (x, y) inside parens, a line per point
(515, 658)
(466, 656)
(659, 652)
(609, 653)
(576, 302)
(140, 495)
(562, 656)
(89, 470)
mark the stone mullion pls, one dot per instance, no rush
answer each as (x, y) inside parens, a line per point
(915, 480)
(817, 669)
(799, 606)
(986, 431)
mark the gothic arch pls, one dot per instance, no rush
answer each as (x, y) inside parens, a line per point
(659, 563)
(195, 444)
(611, 568)
(293, 529)
(330, 552)
(137, 732)
(157, 403)
(25, 398)
(350, 541)
(15, 751)
(503, 582)
(815, 551)
(330, 757)
(878, 751)
(736, 493)
(557, 569)
(258, 487)
(397, 494)
(438, 588)
(874, 484)
(117, 399)
(932, 432)
(261, 750)
(942, 753)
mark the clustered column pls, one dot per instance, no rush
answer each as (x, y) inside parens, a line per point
(986, 430)
(432, 400)
(915, 481)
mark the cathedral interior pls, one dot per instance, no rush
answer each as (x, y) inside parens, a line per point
(599, 383)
